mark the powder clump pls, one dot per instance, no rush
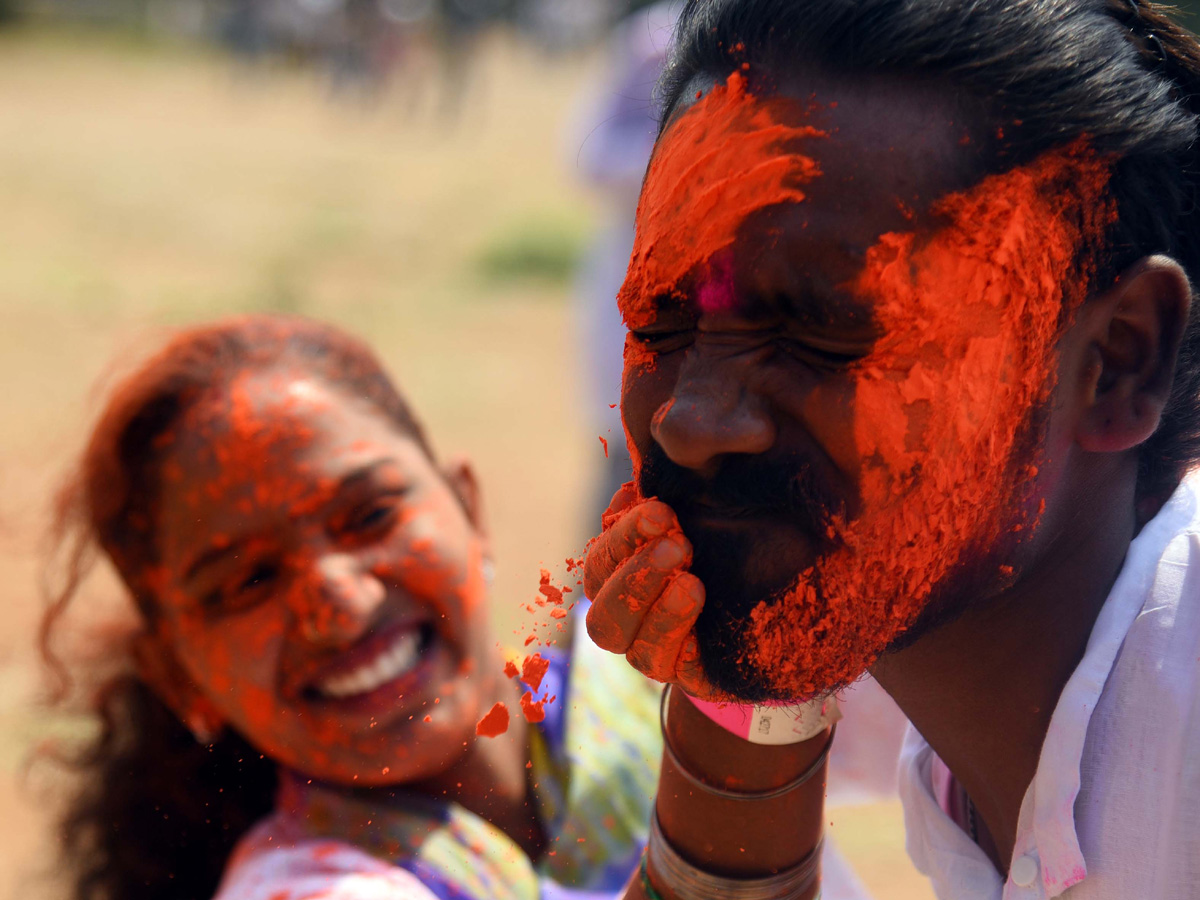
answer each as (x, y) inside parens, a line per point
(495, 723)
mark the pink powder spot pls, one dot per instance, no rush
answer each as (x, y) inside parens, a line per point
(716, 294)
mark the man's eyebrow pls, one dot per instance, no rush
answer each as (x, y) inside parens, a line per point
(823, 305)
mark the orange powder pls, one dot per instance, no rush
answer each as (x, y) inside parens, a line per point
(534, 669)
(495, 723)
(533, 712)
(700, 177)
(969, 317)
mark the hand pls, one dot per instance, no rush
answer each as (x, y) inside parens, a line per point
(644, 601)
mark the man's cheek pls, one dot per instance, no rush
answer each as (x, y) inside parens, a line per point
(830, 413)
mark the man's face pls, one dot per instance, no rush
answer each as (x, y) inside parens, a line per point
(840, 355)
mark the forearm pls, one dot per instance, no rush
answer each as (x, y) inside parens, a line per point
(750, 837)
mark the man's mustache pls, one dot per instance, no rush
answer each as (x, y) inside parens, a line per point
(744, 487)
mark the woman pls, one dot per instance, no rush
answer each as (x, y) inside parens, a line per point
(313, 652)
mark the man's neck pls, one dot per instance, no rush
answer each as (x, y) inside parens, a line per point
(981, 690)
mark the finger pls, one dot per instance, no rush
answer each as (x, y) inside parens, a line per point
(621, 604)
(636, 526)
(625, 497)
(667, 624)
(689, 673)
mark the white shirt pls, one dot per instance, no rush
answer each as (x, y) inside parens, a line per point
(1113, 811)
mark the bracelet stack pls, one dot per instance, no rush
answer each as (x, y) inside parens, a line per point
(686, 882)
(726, 793)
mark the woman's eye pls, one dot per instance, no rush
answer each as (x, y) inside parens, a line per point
(263, 573)
(244, 590)
(376, 516)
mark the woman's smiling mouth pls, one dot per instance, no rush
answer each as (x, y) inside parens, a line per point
(385, 660)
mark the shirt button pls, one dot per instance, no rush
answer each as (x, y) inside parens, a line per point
(1024, 871)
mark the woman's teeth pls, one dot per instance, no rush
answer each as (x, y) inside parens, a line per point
(390, 664)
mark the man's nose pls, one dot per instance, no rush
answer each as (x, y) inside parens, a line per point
(713, 411)
(341, 600)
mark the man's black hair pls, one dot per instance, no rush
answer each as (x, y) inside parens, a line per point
(1046, 72)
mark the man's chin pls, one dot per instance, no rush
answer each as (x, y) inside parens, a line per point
(732, 674)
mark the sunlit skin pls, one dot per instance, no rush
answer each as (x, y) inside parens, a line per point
(743, 381)
(302, 534)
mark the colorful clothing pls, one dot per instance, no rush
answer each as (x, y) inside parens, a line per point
(595, 768)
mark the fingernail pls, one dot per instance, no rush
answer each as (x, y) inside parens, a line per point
(649, 525)
(677, 601)
(668, 554)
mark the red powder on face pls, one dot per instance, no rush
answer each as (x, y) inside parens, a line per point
(727, 157)
(533, 669)
(494, 723)
(533, 712)
(969, 319)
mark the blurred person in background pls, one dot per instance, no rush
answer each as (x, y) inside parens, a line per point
(296, 705)
(609, 144)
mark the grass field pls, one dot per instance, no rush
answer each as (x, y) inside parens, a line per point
(143, 187)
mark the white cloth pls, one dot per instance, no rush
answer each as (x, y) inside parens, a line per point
(1113, 811)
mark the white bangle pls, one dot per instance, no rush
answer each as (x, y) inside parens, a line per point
(772, 723)
(696, 781)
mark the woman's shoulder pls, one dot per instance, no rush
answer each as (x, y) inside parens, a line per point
(273, 863)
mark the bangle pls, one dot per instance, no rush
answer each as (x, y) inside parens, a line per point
(647, 888)
(772, 723)
(683, 881)
(726, 793)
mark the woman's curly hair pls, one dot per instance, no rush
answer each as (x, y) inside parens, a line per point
(158, 813)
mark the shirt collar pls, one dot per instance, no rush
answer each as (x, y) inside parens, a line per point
(1046, 826)
(1057, 779)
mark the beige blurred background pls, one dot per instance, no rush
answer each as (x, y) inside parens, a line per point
(149, 179)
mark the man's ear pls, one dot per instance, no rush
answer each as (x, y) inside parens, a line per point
(165, 676)
(1133, 332)
(460, 474)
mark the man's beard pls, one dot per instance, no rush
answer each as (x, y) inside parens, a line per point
(741, 568)
(746, 571)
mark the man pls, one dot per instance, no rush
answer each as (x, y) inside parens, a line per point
(911, 386)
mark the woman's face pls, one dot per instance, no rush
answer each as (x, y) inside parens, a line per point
(322, 582)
